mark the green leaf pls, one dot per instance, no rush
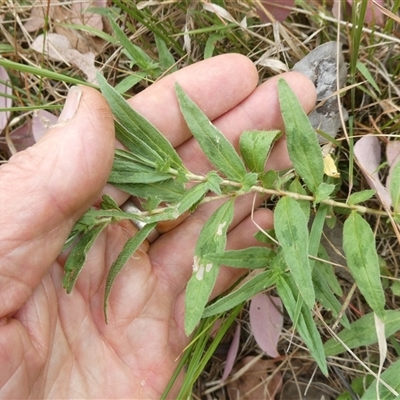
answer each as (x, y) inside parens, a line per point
(129, 81)
(302, 143)
(363, 333)
(166, 59)
(77, 258)
(214, 181)
(268, 179)
(360, 197)
(249, 180)
(252, 258)
(212, 239)
(138, 131)
(129, 249)
(328, 271)
(210, 44)
(129, 170)
(367, 75)
(292, 233)
(135, 53)
(325, 296)
(255, 147)
(168, 191)
(288, 292)
(324, 190)
(215, 146)
(244, 292)
(363, 261)
(391, 377)
(395, 187)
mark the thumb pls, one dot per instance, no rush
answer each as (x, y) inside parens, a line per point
(46, 188)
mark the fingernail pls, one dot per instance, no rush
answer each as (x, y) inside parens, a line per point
(71, 104)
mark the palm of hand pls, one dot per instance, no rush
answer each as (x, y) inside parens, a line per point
(55, 345)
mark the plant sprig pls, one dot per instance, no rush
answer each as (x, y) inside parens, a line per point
(153, 171)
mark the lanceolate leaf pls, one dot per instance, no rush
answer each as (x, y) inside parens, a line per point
(302, 143)
(252, 257)
(168, 191)
(244, 292)
(391, 377)
(77, 257)
(129, 249)
(305, 324)
(363, 333)
(138, 127)
(325, 295)
(255, 147)
(212, 239)
(362, 259)
(292, 233)
(213, 143)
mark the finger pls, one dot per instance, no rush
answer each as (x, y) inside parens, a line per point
(216, 85)
(47, 187)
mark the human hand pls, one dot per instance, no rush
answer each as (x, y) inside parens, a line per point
(57, 345)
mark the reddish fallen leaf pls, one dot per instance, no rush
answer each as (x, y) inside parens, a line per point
(22, 137)
(266, 321)
(256, 382)
(5, 102)
(373, 14)
(368, 153)
(41, 121)
(279, 9)
(232, 353)
(392, 151)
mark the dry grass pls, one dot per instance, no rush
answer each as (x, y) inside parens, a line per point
(309, 25)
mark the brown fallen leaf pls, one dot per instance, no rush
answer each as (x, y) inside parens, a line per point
(76, 13)
(58, 48)
(258, 382)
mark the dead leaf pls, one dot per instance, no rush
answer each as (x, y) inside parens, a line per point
(58, 48)
(258, 382)
(373, 14)
(266, 321)
(60, 14)
(42, 120)
(279, 9)
(232, 353)
(392, 151)
(320, 66)
(368, 153)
